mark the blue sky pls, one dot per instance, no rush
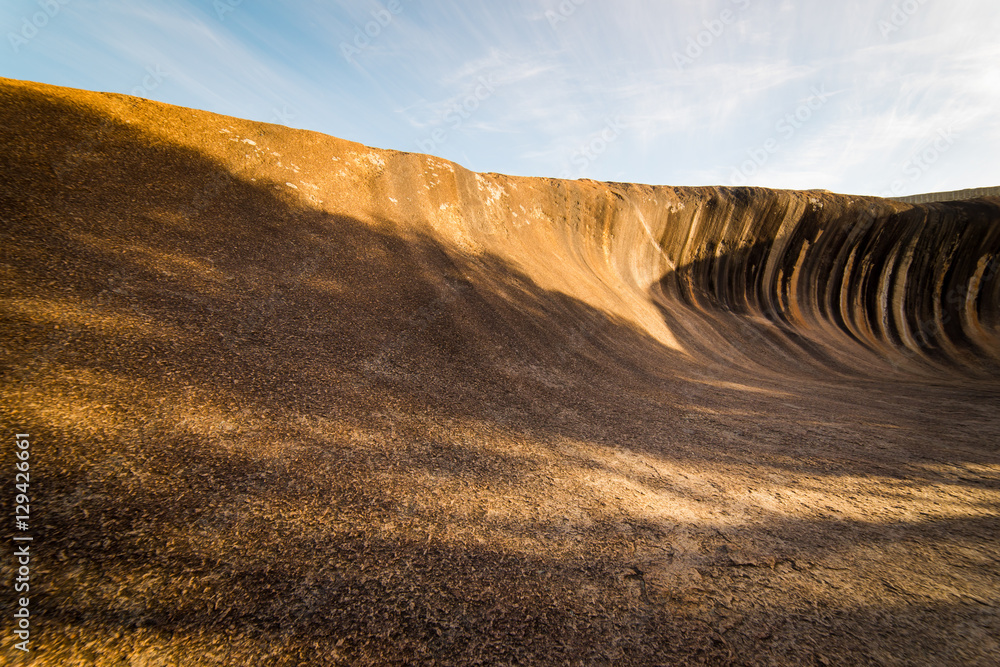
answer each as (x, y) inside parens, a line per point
(863, 97)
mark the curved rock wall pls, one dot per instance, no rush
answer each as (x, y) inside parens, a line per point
(290, 396)
(748, 276)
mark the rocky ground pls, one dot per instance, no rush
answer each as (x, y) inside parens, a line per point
(295, 401)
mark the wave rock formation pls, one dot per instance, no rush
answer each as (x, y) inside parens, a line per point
(295, 400)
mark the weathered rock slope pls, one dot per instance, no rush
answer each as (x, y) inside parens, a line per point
(300, 401)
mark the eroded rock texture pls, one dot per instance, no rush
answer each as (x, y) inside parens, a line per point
(294, 400)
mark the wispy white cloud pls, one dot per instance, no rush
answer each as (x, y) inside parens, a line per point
(558, 82)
